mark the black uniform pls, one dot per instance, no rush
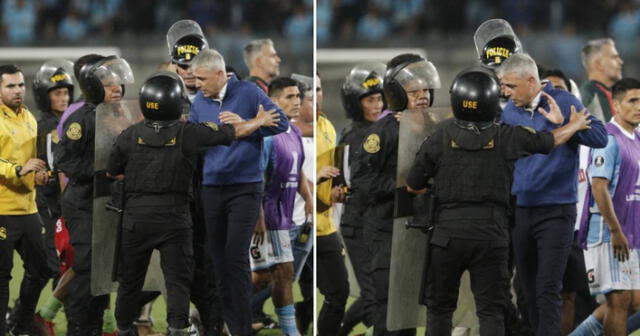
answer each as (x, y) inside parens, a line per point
(351, 228)
(48, 196)
(472, 180)
(75, 157)
(374, 175)
(158, 169)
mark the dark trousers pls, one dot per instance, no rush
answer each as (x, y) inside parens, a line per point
(231, 213)
(85, 310)
(305, 309)
(486, 262)
(204, 293)
(362, 309)
(171, 234)
(542, 241)
(49, 220)
(379, 247)
(332, 282)
(24, 234)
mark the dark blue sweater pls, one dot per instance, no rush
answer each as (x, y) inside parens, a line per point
(239, 162)
(551, 179)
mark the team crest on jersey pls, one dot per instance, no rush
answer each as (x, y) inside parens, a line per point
(3, 233)
(372, 144)
(598, 161)
(74, 132)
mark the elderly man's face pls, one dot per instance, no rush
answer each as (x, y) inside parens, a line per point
(611, 63)
(520, 89)
(418, 95)
(112, 89)
(269, 60)
(210, 81)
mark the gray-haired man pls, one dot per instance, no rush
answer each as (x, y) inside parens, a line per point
(232, 181)
(263, 62)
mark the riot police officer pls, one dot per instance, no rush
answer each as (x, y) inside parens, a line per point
(101, 81)
(408, 84)
(156, 158)
(184, 41)
(471, 160)
(53, 91)
(363, 103)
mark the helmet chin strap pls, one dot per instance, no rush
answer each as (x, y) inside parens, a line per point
(157, 125)
(475, 126)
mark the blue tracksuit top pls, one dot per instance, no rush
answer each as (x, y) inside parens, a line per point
(551, 179)
(239, 162)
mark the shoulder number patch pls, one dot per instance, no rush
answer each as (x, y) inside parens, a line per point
(211, 125)
(529, 129)
(74, 132)
(372, 144)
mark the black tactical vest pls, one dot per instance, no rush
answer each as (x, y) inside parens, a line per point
(156, 163)
(472, 168)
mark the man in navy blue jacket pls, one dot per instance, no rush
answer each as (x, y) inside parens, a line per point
(545, 187)
(232, 180)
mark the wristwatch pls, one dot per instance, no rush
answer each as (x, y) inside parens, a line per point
(18, 170)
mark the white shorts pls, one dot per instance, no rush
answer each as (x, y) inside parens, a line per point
(274, 249)
(605, 273)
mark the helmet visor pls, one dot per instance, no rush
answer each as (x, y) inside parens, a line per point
(114, 71)
(420, 75)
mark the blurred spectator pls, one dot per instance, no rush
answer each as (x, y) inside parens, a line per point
(346, 15)
(19, 18)
(298, 29)
(625, 28)
(50, 14)
(72, 27)
(208, 14)
(324, 16)
(372, 26)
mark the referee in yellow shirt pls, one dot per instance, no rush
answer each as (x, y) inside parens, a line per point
(20, 224)
(331, 271)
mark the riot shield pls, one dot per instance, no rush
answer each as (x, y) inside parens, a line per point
(111, 120)
(409, 246)
(491, 30)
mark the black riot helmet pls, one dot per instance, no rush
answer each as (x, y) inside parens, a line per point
(185, 40)
(163, 97)
(111, 70)
(52, 75)
(497, 51)
(475, 95)
(362, 81)
(406, 73)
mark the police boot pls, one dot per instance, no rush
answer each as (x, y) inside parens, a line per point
(12, 318)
